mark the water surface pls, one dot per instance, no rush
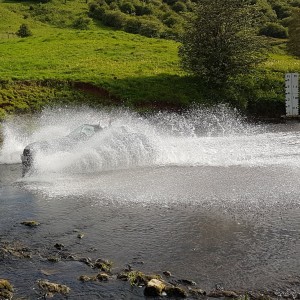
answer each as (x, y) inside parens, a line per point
(205, 195)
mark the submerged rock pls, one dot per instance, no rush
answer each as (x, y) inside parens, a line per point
(196, 291)
(6, 289)
(186, 282)
(49, 289)
(167, 273)
(222, 293)
(102, 277)
(98, 277)
(59, 246)
(15, 250)
(53, 259)
(80, 235)
(30, 223)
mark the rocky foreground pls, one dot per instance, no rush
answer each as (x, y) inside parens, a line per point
(164, 285)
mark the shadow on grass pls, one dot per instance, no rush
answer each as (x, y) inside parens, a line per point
(158, 92)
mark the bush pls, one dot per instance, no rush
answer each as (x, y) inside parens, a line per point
(171, 19)
(151, 28)
(114, 19)
(179, 7)
(133, 25)
(97, 10)
(127, 8)
(24, 31)
(82, 23)
(282, 10)
(141, 10)
(274, 30)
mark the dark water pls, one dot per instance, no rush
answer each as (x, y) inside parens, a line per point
(215, 209)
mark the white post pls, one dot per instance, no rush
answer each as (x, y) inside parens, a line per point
(292, 94)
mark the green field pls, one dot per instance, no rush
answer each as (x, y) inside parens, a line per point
(141, 72)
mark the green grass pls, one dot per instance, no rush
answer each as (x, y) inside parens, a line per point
(144, 72)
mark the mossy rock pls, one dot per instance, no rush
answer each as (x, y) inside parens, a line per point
(49, 289)
(175, 291)
(30, 223)
(6, 289)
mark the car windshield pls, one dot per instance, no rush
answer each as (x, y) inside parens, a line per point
(84, 131)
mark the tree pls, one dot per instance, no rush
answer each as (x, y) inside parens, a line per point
(294, 33)
(221, 42)
(24, 31)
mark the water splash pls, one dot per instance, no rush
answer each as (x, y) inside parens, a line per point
(217, 136)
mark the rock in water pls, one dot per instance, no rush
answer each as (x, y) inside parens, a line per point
(154, 287)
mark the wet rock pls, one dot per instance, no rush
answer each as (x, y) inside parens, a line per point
(196, 291)
(59, 246)
(6, 289)
(167, 273)
(102, 277)
(15, 250)
(53, 259)
(186, 282)
(123, 276)
(87, 261)
(175, 291)
(49, 289)
(30, 223)
(154, 288)
(137, 278)
(222, 293)
(85, 278)
(103, 265)
(98, 277)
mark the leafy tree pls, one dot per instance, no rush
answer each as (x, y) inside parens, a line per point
(24, 31)
(220, 42)
(294, 33)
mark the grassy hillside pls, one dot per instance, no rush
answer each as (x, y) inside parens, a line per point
(125, 68)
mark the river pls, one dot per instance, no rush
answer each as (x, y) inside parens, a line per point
(204, 195)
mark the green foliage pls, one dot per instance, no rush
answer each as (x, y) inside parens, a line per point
(82, 23)
(149, 15)
(293, 44)
(274, 30)
(115, 19)
(151, 28)
(220, 42)
(24, 31)
(133, 25)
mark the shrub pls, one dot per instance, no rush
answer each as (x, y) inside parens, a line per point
(179, 7)
(133, 25)
(97, 10)
(114, 19)
(82, 23)
(274, 30)
(24, 31)
(151, 28)
(282, 10)
(127, 8)
(171, 19)
(142, 10)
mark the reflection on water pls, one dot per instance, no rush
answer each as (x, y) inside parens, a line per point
(217, 204)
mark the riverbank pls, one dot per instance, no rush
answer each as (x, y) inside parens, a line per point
(258, 97)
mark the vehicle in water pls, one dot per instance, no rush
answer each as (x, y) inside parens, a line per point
(79, 135)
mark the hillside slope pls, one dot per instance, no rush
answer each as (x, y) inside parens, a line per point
(144, 73)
